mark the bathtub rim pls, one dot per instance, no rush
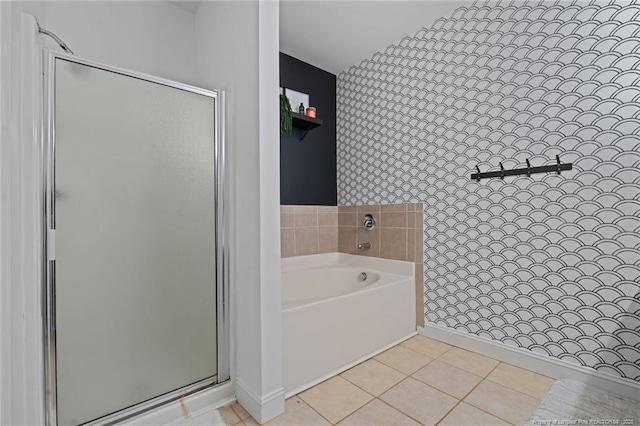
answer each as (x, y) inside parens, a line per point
(378, 264)
(391, 271)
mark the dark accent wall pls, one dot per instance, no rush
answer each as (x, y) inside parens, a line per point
(308, 167)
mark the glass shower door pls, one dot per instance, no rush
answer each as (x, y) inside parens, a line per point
(133, 269)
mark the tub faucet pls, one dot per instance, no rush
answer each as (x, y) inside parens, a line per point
(363, 246)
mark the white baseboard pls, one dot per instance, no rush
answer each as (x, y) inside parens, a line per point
(346, 367)
(261, 408)
(210, 398)
(546, 365)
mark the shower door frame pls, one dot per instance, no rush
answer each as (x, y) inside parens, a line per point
(48, 235)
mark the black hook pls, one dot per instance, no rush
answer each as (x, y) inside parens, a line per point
(521, 171)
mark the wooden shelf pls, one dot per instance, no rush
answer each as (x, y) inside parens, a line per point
(304, 123)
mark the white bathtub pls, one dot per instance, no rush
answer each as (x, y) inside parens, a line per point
(332, 319)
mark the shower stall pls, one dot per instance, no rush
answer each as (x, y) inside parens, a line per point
(135, 283)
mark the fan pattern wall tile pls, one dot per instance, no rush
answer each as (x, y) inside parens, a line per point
(550, 263)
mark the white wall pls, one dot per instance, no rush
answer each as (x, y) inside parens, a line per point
(20, 341)
(154, 37)
(237, 51)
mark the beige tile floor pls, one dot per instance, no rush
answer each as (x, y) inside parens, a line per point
(418, 382)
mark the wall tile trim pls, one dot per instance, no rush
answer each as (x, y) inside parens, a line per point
(308, 230)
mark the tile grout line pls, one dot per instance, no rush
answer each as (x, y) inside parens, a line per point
(430, 359)
(452, 408)
(356, 385)
(348, 381)
(318, 228)
(236, 413)
(501, 384)
(467, 394)
(309, 405)
(453, 396)
(295, 243)
(357, 409)
(400, 411)
(429, 386)
(406, 246)
(483, 377)
(512, 389)
(445, 392)
(362, 389)
(485, 411)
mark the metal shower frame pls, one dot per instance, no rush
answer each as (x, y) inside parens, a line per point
(48, 227)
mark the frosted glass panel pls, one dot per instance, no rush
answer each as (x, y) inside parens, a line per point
(135, 240)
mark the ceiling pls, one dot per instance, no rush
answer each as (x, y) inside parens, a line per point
(334, 35)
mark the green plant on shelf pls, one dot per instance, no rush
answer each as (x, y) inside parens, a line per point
(285, 115)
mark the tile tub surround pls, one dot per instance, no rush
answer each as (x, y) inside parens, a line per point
(547, 263)
(308, 230)
(398, 235)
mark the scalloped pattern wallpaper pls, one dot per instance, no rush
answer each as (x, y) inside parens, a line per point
(550, 263)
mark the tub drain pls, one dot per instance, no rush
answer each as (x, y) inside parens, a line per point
(363, 276)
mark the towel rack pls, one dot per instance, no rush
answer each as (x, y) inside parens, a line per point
(557, 168)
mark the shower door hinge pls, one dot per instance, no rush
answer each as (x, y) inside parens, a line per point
(51, 244)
